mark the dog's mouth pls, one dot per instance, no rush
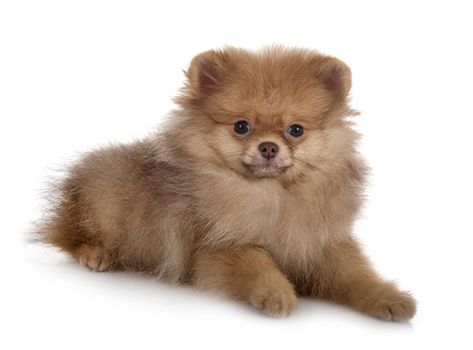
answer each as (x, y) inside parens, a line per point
(266, 169)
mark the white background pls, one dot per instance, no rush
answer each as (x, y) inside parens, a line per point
(76, 74)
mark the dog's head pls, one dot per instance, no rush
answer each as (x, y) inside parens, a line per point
(276, 113)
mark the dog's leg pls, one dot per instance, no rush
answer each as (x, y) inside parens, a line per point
(350, 280)
(94, 257)
(248, 274)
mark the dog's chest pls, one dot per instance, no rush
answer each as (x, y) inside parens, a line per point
(263, 212)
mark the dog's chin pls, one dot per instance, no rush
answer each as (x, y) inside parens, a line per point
(265, 170)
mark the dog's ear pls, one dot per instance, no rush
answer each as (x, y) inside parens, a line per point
(334, 74)
(207, 71)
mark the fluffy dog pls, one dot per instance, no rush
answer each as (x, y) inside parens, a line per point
(250, 189)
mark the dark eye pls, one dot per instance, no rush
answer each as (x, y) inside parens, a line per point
(241, 127)
(296, 130)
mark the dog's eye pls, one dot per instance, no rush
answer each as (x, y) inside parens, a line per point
(296, 130)
(241, 127)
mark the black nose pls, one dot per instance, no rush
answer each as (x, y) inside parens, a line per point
(268, 149)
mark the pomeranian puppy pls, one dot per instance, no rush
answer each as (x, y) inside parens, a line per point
(250, 189)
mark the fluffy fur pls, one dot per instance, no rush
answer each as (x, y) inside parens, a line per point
(198, 203)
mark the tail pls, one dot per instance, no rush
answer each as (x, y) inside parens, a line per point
(62, 224)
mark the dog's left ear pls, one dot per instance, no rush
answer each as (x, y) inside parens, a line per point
(334, 74)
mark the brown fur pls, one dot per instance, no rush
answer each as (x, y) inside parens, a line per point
(197, 203)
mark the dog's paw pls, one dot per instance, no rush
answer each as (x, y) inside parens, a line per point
(93, 257)
(275, 298)
(392, 305)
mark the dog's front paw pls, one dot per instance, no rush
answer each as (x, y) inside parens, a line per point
(274, 296)
(391, 305)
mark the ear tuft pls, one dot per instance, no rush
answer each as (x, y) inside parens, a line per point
(206, 71)
(335, 75)
(207, 77)
(335, 79)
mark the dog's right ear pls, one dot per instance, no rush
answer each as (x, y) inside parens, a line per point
(207, 71)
